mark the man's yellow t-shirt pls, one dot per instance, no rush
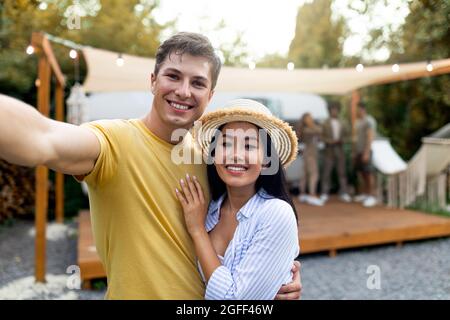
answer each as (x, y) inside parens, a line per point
(137, 221)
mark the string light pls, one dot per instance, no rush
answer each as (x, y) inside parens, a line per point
(30, 50)
(43, 6)
(360, 67)
(120, 62)
(290, 66)
(73, 54)
(429, 66)
(395, 68)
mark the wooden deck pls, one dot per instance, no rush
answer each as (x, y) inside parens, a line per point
(329, 228)
(339, 225)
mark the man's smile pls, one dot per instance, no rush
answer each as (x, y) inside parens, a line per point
(180, 106)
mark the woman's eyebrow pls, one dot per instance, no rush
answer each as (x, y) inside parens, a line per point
(246, 138)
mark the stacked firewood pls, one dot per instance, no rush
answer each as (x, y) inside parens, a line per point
(17, 190)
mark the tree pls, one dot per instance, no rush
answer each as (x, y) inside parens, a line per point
(125, 26)
(410, 110)
(274, 60)
(122, 26)
(319, 37)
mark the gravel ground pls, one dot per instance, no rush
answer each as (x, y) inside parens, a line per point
(418, 270)
(17, 263)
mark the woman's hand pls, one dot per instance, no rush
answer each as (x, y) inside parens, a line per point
(194, 205)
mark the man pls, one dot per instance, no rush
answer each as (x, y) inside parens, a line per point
(365, 133)
(137, 221)
(333, 135)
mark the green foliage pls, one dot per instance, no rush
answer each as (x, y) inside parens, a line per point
(319, 36)
(118, 26)
(74, 199)
(273, 61)
(125, 26)
(233, 52)
(409, 110)
(424, 206)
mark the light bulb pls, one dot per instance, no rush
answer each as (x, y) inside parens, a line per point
(73, 54)
(30, 50)
(395, 68)
(120, 62)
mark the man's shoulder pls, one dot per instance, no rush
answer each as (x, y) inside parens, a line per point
(111, 127)
(111, 123)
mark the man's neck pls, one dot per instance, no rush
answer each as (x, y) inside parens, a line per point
(162, 132)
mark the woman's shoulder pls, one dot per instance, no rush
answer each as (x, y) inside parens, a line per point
(275, 210)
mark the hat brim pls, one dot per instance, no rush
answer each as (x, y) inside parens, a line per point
(281, 133)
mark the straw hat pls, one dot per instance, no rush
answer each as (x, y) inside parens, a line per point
(282, 135)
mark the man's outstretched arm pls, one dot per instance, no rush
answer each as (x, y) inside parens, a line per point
(28, 138)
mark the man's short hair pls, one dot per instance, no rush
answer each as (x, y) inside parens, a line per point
(194, 44)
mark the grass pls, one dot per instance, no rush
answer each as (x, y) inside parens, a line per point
(427, 207)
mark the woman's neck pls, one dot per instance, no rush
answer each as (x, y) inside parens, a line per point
(237, 197)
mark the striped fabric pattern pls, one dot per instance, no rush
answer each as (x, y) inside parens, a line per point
(259, 258)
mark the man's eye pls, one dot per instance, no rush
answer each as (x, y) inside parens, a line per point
(199, 84)
(173, 76)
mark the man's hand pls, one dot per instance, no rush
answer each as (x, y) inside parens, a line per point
(292, 290)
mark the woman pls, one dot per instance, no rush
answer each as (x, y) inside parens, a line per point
(247, 239)
(309, 133)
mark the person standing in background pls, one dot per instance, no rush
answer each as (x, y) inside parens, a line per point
(309, 133)
(333, 134)
(362, 159)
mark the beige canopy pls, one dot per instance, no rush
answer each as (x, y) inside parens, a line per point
(104, 75)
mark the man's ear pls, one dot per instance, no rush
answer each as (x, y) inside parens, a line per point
(152, 82)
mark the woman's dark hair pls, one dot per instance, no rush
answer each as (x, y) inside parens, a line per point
(275, 184)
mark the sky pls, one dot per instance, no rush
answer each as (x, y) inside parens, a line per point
(268, 26)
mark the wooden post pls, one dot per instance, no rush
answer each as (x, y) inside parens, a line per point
(41, 201)
(59, 183)
(354, 105)
(47, 65)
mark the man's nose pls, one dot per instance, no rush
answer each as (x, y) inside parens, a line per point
(183, 90)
